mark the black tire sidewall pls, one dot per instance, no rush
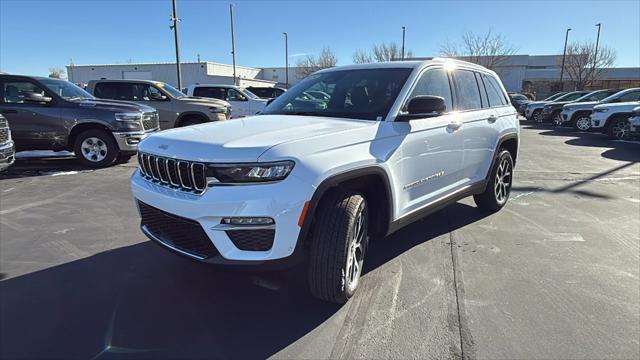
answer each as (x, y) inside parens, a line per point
(107, 138)
(502, 156)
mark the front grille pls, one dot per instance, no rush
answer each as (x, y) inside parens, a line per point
(150, 121)
(252, 240)
(184, 234)
(4, 135)
(7, 153)
(177, 174)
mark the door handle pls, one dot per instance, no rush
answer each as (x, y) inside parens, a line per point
(492, 118)
(9, 111)
(454, 125)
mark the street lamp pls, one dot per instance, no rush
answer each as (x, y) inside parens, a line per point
(564, 54)
(595, 55)
(174, 26)
(286, 58)
(403, 33)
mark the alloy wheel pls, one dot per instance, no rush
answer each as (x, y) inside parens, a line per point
(583, 123)
(621, 129)
(355, 252)
(502, 182)
(94, 149)
(557, 120)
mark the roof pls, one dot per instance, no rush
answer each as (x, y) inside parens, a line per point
(161, 63)
(412, 64)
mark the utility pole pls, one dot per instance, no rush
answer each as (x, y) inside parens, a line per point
(564, 53)
(595, 55)
(286, 58)
(174, 26)
(198, 58)
(233, 46)
(403, 33)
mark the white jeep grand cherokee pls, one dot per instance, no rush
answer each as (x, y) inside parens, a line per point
(315, 179)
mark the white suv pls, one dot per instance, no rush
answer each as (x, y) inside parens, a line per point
(314, 179)
(612, 117)
(243, 102)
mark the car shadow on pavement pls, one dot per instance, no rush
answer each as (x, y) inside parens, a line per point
(139, 301)
(30, 167)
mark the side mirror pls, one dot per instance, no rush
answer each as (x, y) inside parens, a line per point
(35, 97)
(157, 96)
(422, 107)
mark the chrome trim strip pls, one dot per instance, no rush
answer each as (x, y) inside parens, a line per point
(193, 176)
(158, 161)
(180, 175)
(453, 194)
(149, 234)
(226, 227)
(175, 166)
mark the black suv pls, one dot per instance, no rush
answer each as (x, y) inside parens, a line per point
(52, 114)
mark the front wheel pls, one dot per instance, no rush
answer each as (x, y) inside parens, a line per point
(557, 119)
(537, 116)
(338, 246)
(96, 148)
(620, 129)
(498, 189)
(582, 123)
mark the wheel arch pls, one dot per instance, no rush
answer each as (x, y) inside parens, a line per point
(190, 115)
(81, 127)
(578, 113)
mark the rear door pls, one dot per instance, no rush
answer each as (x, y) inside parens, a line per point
(34, 126)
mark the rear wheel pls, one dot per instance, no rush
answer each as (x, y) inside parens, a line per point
(338, 246)
(498, 189)
(620, 129)
(582, 122)
(96, 148)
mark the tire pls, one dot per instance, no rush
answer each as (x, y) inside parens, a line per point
(95, 148)
(496, 195)
(338, 246)
(124, 158)
(536, 117)
(620, 129)
(557, 119)
(582, 122)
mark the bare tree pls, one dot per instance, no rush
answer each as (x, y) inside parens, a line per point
(310, 64)
(380, 53)
(489, 50)
(56, 72)
(581, 64)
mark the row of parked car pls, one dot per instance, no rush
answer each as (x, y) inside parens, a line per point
(611, 111)
(105, 122)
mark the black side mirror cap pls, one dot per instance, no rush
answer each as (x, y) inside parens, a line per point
(423, 107)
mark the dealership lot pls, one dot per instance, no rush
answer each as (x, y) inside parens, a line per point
(555, 274)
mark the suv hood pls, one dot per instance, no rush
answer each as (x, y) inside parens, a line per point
(244, 139)
(192, 100)
(114, 105)
(581, 105)
(624, 105)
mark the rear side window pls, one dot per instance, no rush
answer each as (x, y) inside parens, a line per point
(467, 90)
(114, 90)
(494, 92)
(632, 96)
(211, 92)
(434, 82)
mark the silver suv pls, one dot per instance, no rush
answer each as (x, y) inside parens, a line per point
(175, 109)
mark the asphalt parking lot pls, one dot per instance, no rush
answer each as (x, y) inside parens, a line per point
(555, 274)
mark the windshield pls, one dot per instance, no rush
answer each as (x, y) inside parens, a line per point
(570, 96)
(594, 96)
(170, 90)
(358, 94)
(618, 95)
(554, 96)
(66, 89)
(249, 94)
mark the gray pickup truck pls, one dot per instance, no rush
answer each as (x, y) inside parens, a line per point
(52, 114)
(175, 109)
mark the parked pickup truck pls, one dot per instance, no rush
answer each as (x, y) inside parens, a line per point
(52, 114)
(244, 102)
(613, 119)
(7, 150)
(175, 109)
(315, 181)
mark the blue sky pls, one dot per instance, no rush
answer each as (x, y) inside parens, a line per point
(36, 35)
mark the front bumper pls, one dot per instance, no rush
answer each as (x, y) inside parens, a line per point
(566, 115)
(7, 155)
(282, 201)
(598, 119)
(128, 140)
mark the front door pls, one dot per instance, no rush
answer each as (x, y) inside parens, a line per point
(34, 125)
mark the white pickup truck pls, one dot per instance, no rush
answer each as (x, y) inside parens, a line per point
(313, 179)
(243, 102)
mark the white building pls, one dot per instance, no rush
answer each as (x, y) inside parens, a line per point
(191, 73)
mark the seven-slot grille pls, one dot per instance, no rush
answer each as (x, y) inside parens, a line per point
(150, 121)
(179, 174)
(4, 130)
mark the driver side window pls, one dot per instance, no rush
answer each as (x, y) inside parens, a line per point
(235, 95)
(16, 91)
(434, 82)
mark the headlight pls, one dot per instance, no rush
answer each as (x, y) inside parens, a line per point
(217, 110)
(128, 116)
(249, 173)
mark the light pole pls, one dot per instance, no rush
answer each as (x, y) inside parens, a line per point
(403, 33)
(233, 46)
(174, 26)
(595, 55)
(564, 54)
(286, 59)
